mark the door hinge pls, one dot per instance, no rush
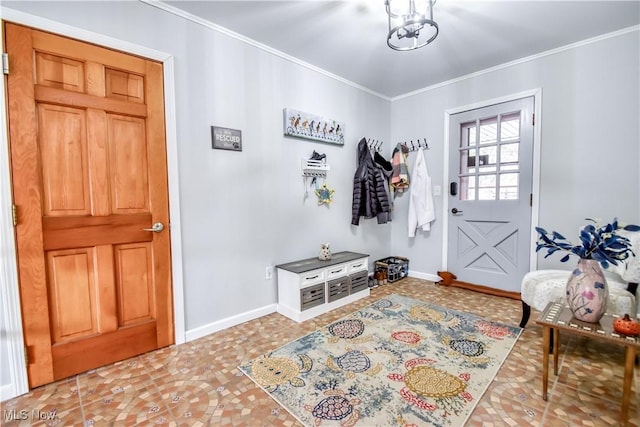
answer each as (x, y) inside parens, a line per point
(531, 199)
(5, 63)
(26, 355)
(533, 119)
(14, 215)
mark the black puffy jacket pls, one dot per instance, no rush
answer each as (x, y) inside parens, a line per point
(370, 198)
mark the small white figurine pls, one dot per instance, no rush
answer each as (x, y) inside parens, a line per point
(325, 252)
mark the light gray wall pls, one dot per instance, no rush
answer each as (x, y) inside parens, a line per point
(590, 139)
(242, 211)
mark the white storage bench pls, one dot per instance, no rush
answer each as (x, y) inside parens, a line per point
(310, 287)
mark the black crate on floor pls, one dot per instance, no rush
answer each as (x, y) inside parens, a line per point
(397, 267)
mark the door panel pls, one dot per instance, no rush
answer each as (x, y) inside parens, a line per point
(56, 71)
(128, 165)
(88, 175)
(62, 140)
(75, 267)
(125, 86)
(134, 278)
(491, 163)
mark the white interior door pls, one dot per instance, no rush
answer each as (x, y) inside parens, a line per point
(491, 176)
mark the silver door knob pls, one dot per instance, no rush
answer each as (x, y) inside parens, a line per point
(156, 228)
(455, 211)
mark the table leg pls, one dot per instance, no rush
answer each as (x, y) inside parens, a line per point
(546, 336)
(556, 345)
(629, 362)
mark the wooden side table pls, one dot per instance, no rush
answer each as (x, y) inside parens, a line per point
(558, 317)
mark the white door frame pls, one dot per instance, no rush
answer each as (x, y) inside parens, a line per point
(10, 297)
(537, 108)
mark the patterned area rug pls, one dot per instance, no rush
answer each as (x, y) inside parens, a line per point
(397, 362)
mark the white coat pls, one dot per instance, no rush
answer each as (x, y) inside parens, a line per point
(421, 208)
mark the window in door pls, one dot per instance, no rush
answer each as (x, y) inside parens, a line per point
(489, 160)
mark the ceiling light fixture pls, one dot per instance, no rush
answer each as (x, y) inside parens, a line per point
(411, 23)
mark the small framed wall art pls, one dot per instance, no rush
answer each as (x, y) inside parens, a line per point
(226, 139)
(313, 127)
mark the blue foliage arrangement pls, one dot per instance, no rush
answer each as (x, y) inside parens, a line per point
(600, 243)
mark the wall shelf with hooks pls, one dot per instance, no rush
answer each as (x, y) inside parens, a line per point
(315, 168)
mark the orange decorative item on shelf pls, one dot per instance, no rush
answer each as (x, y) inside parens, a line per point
(626, 326)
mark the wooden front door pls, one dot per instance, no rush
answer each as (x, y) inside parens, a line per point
(88, 169)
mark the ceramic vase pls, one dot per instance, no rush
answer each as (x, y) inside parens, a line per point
(587, 291)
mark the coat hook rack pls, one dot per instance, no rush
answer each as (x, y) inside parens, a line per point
(417, 145)
(374, 144)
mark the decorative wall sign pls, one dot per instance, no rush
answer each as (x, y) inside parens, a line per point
(226, 139)
(310, 126)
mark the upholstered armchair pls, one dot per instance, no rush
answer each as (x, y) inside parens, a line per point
(540, 287)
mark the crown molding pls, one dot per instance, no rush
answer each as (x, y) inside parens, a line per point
(521, 61)
(222, 30)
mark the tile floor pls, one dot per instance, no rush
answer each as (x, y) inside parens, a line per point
(198, 383)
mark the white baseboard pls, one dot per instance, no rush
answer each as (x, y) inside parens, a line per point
(425, 276)
(219, 325)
